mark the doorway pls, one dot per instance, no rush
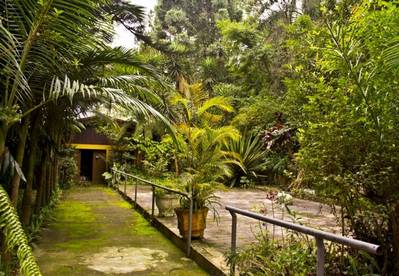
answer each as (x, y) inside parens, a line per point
(86, 165)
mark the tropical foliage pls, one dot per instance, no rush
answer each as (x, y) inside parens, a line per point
(313, 86)
(15, 236)
(287, 93)
(56, 64)
(200, 142)
(251, 153)
(268, 257)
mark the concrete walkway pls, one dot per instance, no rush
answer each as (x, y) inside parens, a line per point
(95, 232)
(217, 239)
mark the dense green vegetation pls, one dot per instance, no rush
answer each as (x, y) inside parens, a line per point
(296, 95)
(56, 64)
(312, 90)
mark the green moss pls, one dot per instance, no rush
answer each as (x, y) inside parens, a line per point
(109, 192)
(123, 204)
(82, 245)
(74, 211)
(91, 219)
(70, 270)
(142, 227)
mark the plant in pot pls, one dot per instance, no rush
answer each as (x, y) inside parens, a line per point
(167, 201)
(200, 138)
(203, 196)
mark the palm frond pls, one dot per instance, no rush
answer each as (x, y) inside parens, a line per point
(391, 55)
(221, 103)
(9, 61)
(138, 86)
(123, 10)
(251, 154)
(73, 88)
(184, 103)
(225, 134)
(33, 31)
(15, 237)
(129, 15)
(117, 55)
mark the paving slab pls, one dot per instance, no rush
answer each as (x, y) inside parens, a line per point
(95, 232)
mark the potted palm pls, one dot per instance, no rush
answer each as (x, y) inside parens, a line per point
(201, 154)
(203, 197)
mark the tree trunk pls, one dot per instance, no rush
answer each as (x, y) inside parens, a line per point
(177, 168)
(44, 186)
(40, 185)
(395, 232)
(55, 174)
(27, 199)
(3, 136)
(52, 178)
(48, 183)
(19, 159)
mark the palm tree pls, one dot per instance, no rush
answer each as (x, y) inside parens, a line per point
(38, 38)
(126, 92)
(54, 61)
(201, 141)
(33, 36)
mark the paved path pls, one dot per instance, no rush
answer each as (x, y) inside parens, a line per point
(95, 232)
(216, 242)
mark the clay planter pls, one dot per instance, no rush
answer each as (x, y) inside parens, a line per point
(199, 222)
(166, 203)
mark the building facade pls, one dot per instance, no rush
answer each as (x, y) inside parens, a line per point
(93, 151)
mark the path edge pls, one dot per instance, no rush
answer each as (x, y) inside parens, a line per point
(195, 255)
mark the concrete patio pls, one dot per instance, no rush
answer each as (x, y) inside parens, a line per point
(217, 239)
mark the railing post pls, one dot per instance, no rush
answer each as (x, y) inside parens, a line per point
(233, 241)
(135, 193)
(153, 202)
(124, 188)
(190, 227)
(321, 256)
(113, 179)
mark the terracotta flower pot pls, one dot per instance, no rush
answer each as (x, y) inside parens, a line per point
(166, 203)
(199, 222)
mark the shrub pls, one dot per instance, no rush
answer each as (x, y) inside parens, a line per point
(68, 169)
(251, 153)
(296, 255)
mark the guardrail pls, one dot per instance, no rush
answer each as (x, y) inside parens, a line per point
(153, 185)
(319, 235)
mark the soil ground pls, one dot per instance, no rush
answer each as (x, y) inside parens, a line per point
(95, 232)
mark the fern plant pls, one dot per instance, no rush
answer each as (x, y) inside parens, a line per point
(15, 237)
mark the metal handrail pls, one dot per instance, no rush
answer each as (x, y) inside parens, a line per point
(154, 185)
(151, 183)
(318, 234)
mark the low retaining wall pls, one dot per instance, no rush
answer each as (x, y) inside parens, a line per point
(196, 256)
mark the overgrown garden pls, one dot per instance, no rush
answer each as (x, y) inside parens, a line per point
(302, 96)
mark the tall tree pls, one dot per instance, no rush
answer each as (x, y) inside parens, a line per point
(56, 56)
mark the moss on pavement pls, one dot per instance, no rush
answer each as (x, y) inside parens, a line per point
(95, 232)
